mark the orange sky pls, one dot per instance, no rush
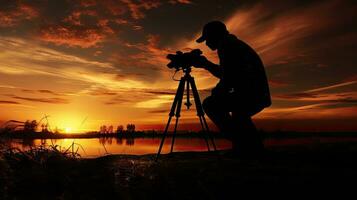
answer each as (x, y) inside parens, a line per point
(90, 63)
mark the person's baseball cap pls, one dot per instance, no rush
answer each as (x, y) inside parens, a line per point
(213, 28)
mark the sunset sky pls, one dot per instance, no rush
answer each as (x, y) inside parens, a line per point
(86, 63)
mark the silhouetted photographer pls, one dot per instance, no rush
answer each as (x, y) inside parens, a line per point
(242, 91)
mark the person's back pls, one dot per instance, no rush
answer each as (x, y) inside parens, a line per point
(243, 73)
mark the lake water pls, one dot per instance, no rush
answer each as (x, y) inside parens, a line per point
(95, 147)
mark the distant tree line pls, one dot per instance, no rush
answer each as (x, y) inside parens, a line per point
(130, 128)
(30, 126)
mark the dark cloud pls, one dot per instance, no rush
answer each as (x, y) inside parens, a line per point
(159, 111)
(14, 12)
(120, 100)
(102, 92)
(44, 100)
(9, 102)
(351, 78)
(137, 8)
(164, 92)
(28, 91)
(343, 103)
(132, 75)
(296, 96)
(47, 92)
(180, 1)
(83, 23)
(42, 91)
(111, 103)
(277, 83)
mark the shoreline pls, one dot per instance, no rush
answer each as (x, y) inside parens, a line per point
(264, 135)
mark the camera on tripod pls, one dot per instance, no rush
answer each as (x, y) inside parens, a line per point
(182, 60)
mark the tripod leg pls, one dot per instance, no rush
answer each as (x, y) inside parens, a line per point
(171, 114)
(173, 136)
(200, 112)
(188, 103)
(178, 111)
(163, 138)
(209, 132)
(204, 130)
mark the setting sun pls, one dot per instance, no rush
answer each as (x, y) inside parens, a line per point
(68, 130)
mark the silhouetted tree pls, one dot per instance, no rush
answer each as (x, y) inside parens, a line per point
(103, 129)
(27, 125)
(30, 126)
(44, 128)
(120, 129)
(110, 129)
(130, 128)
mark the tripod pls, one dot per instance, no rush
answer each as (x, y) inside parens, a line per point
(187, 80)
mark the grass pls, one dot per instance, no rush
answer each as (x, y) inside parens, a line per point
(42, 171)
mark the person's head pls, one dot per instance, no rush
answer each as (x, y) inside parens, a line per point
(213, 33)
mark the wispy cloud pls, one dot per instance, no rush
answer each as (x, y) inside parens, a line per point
(321, 102)
(8, 86)
(277, 37)
(149, 53)
(333, 86)
(313, 111)
(318, 95)
(47, 62)
(48, 92)
(44, 100)
(9, 102)
(159, 111)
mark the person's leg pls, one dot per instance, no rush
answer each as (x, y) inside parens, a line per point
(214, 108)
(247, 140)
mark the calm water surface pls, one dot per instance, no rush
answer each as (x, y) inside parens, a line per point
(95, 147)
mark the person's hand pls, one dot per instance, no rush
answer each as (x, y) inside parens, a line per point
(200, 62)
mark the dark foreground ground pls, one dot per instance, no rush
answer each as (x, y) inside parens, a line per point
(303, 169)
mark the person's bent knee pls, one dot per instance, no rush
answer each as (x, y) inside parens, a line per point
(206, 104)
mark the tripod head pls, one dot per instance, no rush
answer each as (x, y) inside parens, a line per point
(182, 60)
(187, 70)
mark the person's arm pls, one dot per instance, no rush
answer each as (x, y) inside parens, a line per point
(203, 62)
(215, 69)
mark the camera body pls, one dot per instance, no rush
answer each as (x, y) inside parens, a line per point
(182, 60)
